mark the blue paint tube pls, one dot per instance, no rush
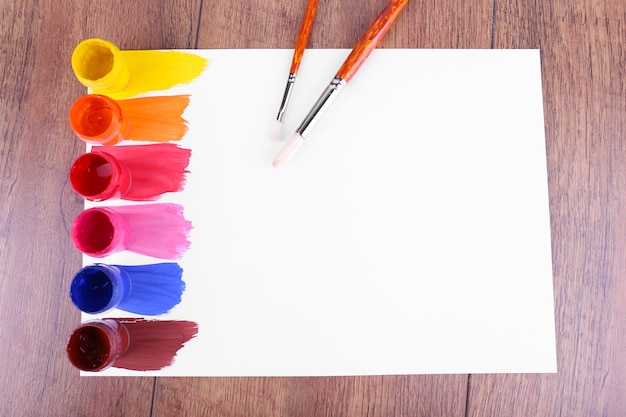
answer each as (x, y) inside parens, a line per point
(143, 289)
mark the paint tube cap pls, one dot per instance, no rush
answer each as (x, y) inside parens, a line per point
(98, 120)
(96, 345)
(100, 231)
(99, 65)
(98, 288)
(99, 176)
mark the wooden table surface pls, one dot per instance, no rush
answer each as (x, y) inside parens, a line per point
(583, 49)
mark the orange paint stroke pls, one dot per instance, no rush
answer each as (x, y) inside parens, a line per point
(155, 119)
(98, 119)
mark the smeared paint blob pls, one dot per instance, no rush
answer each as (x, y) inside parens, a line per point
(135, 172)
(105, 69)
(154, 343)
(143, 289)
(136, 344)
(101, 120)
(157, 230)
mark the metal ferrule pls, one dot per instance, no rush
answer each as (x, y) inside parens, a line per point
(323, 103)
(283, 105)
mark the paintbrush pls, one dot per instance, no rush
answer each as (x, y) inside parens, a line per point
(301, 43)
(368, 42)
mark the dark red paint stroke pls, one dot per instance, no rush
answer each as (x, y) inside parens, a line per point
(154, 343)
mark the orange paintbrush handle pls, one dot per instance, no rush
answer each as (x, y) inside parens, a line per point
(368, 42)
(303, 36)
(370, 39)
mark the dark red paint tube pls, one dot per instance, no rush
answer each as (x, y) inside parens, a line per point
(96, 345)
(136, 344)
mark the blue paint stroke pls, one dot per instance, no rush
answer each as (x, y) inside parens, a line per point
(143, 289)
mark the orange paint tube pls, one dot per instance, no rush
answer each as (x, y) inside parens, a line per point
(101, 120)
(102, 67)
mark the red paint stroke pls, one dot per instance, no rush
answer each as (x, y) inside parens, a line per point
(136, 344)
(157, 230)
(136, 172)
(101, 120)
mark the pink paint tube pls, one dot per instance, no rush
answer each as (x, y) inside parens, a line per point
(137, 173)
(157, 230)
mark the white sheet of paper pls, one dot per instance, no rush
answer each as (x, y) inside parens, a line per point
(409, 235)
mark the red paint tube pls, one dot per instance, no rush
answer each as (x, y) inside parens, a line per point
(157, 230)
(136, 344)
(136, 173)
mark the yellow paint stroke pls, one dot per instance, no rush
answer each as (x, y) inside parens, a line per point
(101, 66)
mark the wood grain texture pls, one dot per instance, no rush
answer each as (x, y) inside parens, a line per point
(340, 24)
(584, 71)
(37, 204)
(583, 54)
(321, 397)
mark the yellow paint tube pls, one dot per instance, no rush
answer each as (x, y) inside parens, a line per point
(102, 67)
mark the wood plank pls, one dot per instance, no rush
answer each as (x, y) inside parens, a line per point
(585, 106)
(427, 395)
(340, 24)
(583, 65)
(37, 205)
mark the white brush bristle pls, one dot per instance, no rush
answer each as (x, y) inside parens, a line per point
(277, 131)
(288, 151)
